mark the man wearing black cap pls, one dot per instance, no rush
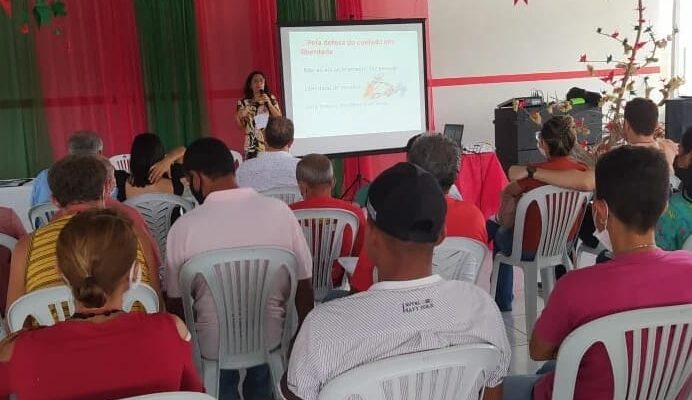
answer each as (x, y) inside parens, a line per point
(409, 310)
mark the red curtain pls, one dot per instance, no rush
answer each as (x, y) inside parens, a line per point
(235, 37)
(90, 74)
(349, 9)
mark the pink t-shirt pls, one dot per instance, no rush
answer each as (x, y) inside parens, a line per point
(631, 281)
(228, 219)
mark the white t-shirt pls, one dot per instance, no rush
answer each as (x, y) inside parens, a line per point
(228, 219)
(269, 170)
(390, 319)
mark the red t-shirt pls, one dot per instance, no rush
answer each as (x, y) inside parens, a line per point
(532, 227)
(127, 356)
(631, 281)
(463, 219)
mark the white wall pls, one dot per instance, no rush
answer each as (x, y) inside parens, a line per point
(493, 37)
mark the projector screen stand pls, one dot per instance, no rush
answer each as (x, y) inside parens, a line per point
(356, 184)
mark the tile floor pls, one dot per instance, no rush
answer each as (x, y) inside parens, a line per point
(515, 323)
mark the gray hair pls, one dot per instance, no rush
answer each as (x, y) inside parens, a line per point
(314, 170)
(84, 143)
(439, 156)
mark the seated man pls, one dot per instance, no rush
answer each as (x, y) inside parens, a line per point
(230, 217)
(78, 183)
(441, 157)
(631, 194)
(275, 167)
(315, 177)
(406, 217)
(79, 143)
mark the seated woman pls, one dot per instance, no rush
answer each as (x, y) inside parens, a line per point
(555, 141)
(675, 225)
(151, 169)
(684, 159)
(100, 352)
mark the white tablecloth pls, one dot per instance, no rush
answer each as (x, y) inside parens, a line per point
(19, 199)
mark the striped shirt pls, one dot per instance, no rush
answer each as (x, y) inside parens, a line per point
(390, 319)
(42, 261)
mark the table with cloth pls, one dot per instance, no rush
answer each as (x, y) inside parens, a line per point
(18, 198)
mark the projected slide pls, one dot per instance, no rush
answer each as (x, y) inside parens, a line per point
(354, 88)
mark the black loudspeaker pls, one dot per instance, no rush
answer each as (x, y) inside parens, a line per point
(678, 117)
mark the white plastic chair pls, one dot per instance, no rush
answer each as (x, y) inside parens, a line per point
(324, 231)
(289, 194)
(157, 210)
(47, 306)
(237, 159)
(559, 209)
(172, 396)
(663, 377)
(459, 258)
(7, 241)
(688, 244)
(41, 214)
(121, 162)
(457, 372)
(240, 281)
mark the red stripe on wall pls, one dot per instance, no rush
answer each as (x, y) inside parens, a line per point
(536, 76)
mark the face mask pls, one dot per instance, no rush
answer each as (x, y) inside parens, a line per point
(135, 276)
(603, 236)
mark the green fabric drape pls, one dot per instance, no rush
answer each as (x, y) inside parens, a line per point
(171, 72)
(24, 141)
(297, 11)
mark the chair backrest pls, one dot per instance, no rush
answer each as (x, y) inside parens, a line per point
(240, 280)
(237, 159)
(48, 306)
(560, 209)
(172, 396)
(459, 258)
(289, 194)
(121, 162)
(41, 214)
(157, 210)
(7, 242)
(324, 231)
(457, 372)
(688, 244)
(660, 352)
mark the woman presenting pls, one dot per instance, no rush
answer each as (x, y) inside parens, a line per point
(254, 110)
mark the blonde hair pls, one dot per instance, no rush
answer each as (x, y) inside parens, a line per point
(95, 251)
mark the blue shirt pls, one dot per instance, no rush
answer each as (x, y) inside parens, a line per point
(41, 192)
(675, 225)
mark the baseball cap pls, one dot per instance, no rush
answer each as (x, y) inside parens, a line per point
(406, 202)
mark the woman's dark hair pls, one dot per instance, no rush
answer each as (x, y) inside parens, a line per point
(247, 89)
(559, 134)
(146, 151)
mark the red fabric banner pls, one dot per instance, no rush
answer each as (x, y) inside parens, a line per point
(90, 74)
(235, 38)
